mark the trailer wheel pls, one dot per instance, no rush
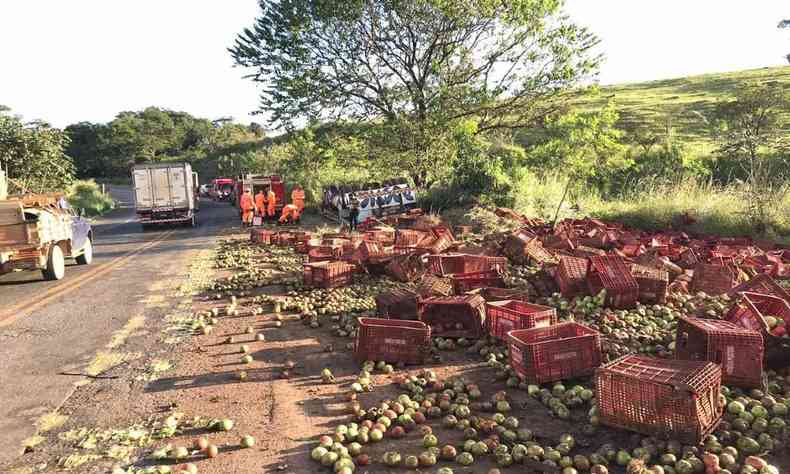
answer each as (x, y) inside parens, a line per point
(56, 264)
(86, 257)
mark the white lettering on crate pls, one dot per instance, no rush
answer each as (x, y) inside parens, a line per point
(566, 355)
(515, 355)
(729, 359)
(396, 342)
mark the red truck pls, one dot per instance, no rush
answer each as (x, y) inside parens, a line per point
(259, 182)
(222, 189)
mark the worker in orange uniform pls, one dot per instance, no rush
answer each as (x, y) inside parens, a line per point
(290, 212)
(260, 203)
(297, 197)
(247, 206)
(272, 200)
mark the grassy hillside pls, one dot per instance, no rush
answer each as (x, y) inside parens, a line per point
(680, 103)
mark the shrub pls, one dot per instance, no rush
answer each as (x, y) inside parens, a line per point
(87, 195)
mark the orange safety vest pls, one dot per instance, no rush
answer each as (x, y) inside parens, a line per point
(272, 202)
(297, 198)
(260, 201)
(246, 203)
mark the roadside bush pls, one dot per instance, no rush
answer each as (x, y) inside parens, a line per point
(87, 195)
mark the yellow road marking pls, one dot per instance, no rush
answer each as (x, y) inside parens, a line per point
(15, 312)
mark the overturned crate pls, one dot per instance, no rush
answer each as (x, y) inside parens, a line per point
(653, 283)
(613, 275)
(398, 304)
(501, 294)
(454, 316)
(737, 350)
(548, 354)
(571, 276)
(464, 282)
(668, 399)
(406, 268)
(751, 311)
(431, 285)
(261, 236)
(327, 274)
(713, 279)
(449, 264)
(505, 316)
(407, 342)
(762, 284)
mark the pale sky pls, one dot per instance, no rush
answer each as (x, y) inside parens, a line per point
(65, 61)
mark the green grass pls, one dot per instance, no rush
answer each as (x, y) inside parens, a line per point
(680, 103)
(717, 210)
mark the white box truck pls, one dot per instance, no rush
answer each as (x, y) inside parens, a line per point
(165, 193)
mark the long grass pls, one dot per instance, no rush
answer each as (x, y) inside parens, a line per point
(647, 205)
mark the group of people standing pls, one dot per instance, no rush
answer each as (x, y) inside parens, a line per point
(264, 205)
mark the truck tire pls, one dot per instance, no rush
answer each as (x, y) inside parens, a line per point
(86, 257)
(56, 264)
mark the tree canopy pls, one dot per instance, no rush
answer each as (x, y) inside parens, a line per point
(33, 154)
(151, 135)
(435, 61)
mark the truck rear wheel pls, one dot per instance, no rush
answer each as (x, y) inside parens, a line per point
(56, 264)
(86, 257)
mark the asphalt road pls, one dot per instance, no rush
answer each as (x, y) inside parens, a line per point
(51, 327)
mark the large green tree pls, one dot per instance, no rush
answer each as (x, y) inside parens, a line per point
(33, 154)
(417, 66)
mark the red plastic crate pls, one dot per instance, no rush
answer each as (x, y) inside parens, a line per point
(501, 294)
(454, 316)
(653, 283)
(431, 285)
(406, 268)
(442, 243)
(749, 312)
(668, 399)
(515, 245)
(409, 237)
(397, 304)
(505, 316)
(633, 250)
(762, 284)
(384, 237)
(739, 351)
(463, 282)
(261, 236)
(613, 275)
(323, 253)
(582, 251)
(283, 239)
(557, 352)
(371, 252)
(713, 279)
(448, 264)
(391, 340)
(327, 274)
(571, 276)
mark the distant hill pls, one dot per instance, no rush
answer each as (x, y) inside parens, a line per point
(681, 102)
